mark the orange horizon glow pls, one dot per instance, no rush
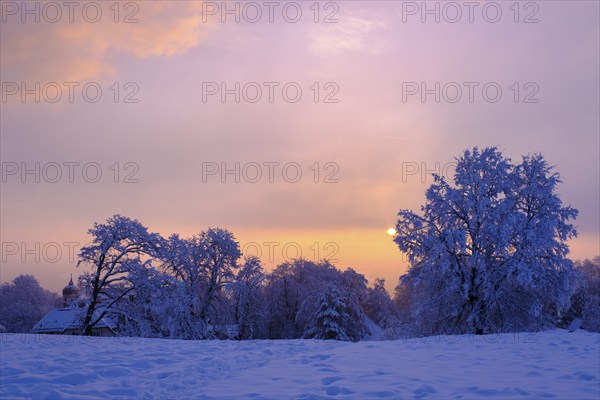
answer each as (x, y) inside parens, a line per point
(363, 156)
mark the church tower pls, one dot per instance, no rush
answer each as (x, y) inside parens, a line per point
(70, 293)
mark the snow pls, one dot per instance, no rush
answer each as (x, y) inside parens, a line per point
(61, 319)
(551, 364)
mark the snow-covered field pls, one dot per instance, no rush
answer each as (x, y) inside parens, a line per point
(553, 364)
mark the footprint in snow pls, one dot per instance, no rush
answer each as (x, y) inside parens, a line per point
(382, 394)
(333, 390)
(583, 376)
(423, 391)
(534, 373)
(330, 379)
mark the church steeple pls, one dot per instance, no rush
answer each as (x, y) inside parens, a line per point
(70, 293)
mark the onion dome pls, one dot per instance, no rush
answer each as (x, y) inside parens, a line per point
(70, 291)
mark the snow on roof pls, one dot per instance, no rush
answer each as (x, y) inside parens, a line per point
(60, 319)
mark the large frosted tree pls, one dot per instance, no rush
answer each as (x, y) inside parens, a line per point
(246, 297)
(488, 251)
(206, 263)
(118, 246)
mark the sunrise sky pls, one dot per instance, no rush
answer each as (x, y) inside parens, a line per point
(367, 61)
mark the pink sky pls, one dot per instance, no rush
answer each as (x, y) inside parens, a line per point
(364, 140)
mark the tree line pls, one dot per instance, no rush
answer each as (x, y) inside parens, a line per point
(488, 253)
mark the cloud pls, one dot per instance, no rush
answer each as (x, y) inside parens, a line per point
(65, 51)
(349, 34)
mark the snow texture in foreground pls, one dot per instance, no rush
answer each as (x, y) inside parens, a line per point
(554, 364)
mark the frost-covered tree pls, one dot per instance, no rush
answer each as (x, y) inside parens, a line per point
(334, 316)
(221, 254)
(183, 259)
(379, 305)
(283, 298)
(118, 246)
(356, 292)
(587, 296)
(292, 291)
(206, 263)
(84, 282)
(488, 251)
(158, 307)
(23, 302)
(356, 284)
(247, 298)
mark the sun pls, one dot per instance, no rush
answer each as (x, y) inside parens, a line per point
(391, 231)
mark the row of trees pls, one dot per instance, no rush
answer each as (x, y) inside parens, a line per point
(201, 287)
(275, 305)
(488, 253)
